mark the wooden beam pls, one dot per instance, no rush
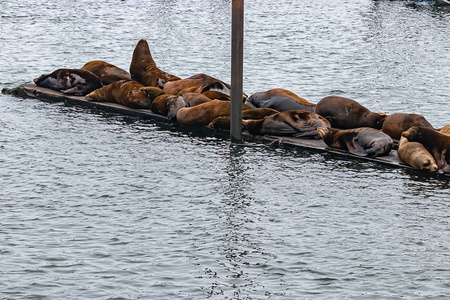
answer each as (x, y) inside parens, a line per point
(237, 60)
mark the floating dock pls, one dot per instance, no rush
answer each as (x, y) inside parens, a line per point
(48, 95)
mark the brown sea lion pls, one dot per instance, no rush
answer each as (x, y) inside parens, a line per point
(415, 155)
(346, 113)
(143, 68)
(279, 99)
(198, 83)
(107, 72)
(165, 104)
(70, 81)
(436, 143)
(195, 98)
(396, 123)
(297, 123)
(125, 92)
(249, 114)
(203, 114)
(364, 141)
(445, 130)
(213, 95)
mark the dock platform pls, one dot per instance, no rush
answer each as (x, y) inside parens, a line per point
(44, 94)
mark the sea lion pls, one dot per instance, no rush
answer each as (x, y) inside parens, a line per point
(125, 92)
(297, 123)
(168, 105)
(143, 68)
(205, 113)
(415, 155)
(195, 98)
(165, 103)
(279, 99)
(249, 114)
(364, 141)
(198, 82)
(445, 130)
(438, 144)
(211, 94)
(346, 113)
(396, 123)
(70, 81)
(108, 73)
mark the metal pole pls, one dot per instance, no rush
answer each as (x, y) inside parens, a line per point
(237, 54)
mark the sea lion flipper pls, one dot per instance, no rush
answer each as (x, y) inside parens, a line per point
(355, 148)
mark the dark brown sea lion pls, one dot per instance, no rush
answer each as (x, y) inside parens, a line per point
(297, 123)
(364, 141)
(70, 81)
(125, 92)
(445, 130)
(107, 72)
(249, 114)
(346, 113)
(203, 114)
(396, 123)
(279, 99)
(415, 155)
(436, 143)
(143, 68)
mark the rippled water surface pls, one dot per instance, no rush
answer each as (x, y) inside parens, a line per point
(97, 206)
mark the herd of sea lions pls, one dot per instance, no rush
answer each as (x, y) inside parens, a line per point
(202, 100)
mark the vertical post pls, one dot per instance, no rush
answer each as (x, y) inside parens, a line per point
(237, 59)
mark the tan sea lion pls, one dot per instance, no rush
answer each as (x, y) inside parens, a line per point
(280, 100)
(108, 73)
(445, 130)
(143, 68)
(213, 95)
(125, 92)
(364, 141)
(396, 123)
(203, 114)
(70, 81)
(297, 123)
(249, 114)
(346, 113)
(436, 143)
(415, 155)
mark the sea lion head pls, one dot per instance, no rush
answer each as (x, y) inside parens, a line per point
(379, 120)
(151, 92)
(428, 164)
(174, 104)
(411, 133)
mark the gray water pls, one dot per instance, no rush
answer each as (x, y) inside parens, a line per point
(97, 206)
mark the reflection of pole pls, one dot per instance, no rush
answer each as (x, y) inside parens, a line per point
(237, 53)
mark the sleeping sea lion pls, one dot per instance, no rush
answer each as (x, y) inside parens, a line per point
(125, 92)
(297, 123)
(143, 68)
(396, 123)
(70, 81)
(198, 82)
(346, 113)
(205, 113)
(279, 99)
(436, 143)
(364, 141)
(249, 114)
(108, 73)
(415, 155)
